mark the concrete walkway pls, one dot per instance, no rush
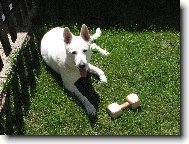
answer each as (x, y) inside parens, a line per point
(22, 39)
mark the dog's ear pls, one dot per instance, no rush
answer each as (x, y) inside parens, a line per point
(85, 33)
(67, 35)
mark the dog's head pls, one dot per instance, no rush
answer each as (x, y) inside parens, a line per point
(78, 49)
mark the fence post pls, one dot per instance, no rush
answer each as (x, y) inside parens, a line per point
(17, 13)
(10, 19)
(29, 4)
(24, 8)
(4, 38)
(1, 63)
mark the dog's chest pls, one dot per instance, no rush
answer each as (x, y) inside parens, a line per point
(69, 72)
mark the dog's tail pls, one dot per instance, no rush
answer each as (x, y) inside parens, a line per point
(96, 35)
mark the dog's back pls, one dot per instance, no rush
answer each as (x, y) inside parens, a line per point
(53, 48)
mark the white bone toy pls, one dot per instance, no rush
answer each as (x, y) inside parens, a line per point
(115, 110)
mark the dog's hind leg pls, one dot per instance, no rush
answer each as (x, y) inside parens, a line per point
(98, 72)
(102, 51)
(88, 106)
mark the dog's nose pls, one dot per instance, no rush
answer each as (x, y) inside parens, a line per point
(82, 65)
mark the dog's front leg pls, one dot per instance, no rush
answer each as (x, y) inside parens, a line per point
(99, 72)
(88, 106)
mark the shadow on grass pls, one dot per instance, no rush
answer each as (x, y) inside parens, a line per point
(85, 86)
(19, 89)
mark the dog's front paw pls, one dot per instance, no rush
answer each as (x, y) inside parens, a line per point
(106, 53)
(103, 79)
(91, 110)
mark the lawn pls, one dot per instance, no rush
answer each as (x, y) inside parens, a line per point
(146, 63)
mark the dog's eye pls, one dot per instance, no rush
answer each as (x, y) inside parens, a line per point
(74, 52)
(85, 51)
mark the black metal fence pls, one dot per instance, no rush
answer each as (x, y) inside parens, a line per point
(13, 14)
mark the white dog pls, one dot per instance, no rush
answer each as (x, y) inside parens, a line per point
(69, 56)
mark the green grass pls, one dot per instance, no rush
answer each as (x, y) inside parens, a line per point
(146, 63)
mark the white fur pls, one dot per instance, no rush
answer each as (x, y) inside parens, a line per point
(96, 35)
(57, 48)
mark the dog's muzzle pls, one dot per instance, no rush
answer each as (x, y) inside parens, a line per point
(82, 69)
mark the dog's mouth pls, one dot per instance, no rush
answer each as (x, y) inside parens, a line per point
(83, 72)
